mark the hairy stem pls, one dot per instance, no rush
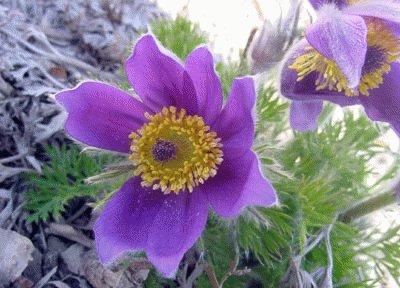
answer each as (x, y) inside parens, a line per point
(369, 206)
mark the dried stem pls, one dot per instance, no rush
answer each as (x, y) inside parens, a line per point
(211, 276)
(249, 41)
(70, 233)
(13, 158)
(232, 271)
(58, 57)
(314, 243)
(197, 271)
(328, 283)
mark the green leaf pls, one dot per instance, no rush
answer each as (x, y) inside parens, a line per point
(62, 180)
(180, 35)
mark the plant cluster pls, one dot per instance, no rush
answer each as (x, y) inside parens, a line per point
(315, 236)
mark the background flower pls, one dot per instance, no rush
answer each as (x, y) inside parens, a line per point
(349, 56)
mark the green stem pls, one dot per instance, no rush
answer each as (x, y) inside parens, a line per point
(368, 206)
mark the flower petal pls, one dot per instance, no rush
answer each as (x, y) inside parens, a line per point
(341, 38)
(394, 27)
(305, 90)
(317, 4)
(383, 9)
(200, 66)
(176, 227)
(101, 115)
(383, 103)
(239, 183)
(138, 218)
(158, 78)
(304, 115)
(235, 125)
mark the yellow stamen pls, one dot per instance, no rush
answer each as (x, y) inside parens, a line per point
(188, 155)
(380, 39)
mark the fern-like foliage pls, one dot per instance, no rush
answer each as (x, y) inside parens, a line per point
(61, 180)
(181, 36)
(227, 72)
(271, 110)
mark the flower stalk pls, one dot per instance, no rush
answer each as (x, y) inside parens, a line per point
(369, 206)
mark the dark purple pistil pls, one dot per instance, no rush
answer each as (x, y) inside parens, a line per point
(163, 151)
(338, 3)
(374, 59)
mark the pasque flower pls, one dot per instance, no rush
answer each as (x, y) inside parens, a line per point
(274, 39)
(349, 56)
(188, 150)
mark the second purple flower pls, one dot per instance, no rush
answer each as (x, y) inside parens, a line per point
(349, 56)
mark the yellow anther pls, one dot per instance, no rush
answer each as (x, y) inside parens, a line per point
(174, 151)
(383, 49)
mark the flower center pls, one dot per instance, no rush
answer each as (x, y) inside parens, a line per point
(174, 151)
(163, 151)
(374, 59)
(383, 49)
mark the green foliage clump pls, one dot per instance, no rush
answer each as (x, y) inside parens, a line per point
(62, 180)
(329, 170)
(180, 36)
(271, 110)
(155, 280)
(382, 249)
(218, 246)
(229, 71)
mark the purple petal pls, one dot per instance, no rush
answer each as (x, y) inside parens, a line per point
(317, 4)
(236, 123)
(175, 228)
(239, 183)
(200, 66)
(158, 78)
(394, 27)
(305, 90)
(138, 218)
(383, 9)
(304, 115)
(102, 116)
(383, 103)
(341, 38)
(188, 99)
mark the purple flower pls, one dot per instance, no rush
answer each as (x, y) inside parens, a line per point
(349, 56)
(189, 152)
(274, 39)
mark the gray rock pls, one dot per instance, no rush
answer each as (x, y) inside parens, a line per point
(73, 258)
(34, 269)
(15, 254)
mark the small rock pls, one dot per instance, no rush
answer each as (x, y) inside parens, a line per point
(50, 260)
(73, 257)
(101, 277)
(34, 269)
(15, 254)
(22, 282)
(58, 72)
(56, 245)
